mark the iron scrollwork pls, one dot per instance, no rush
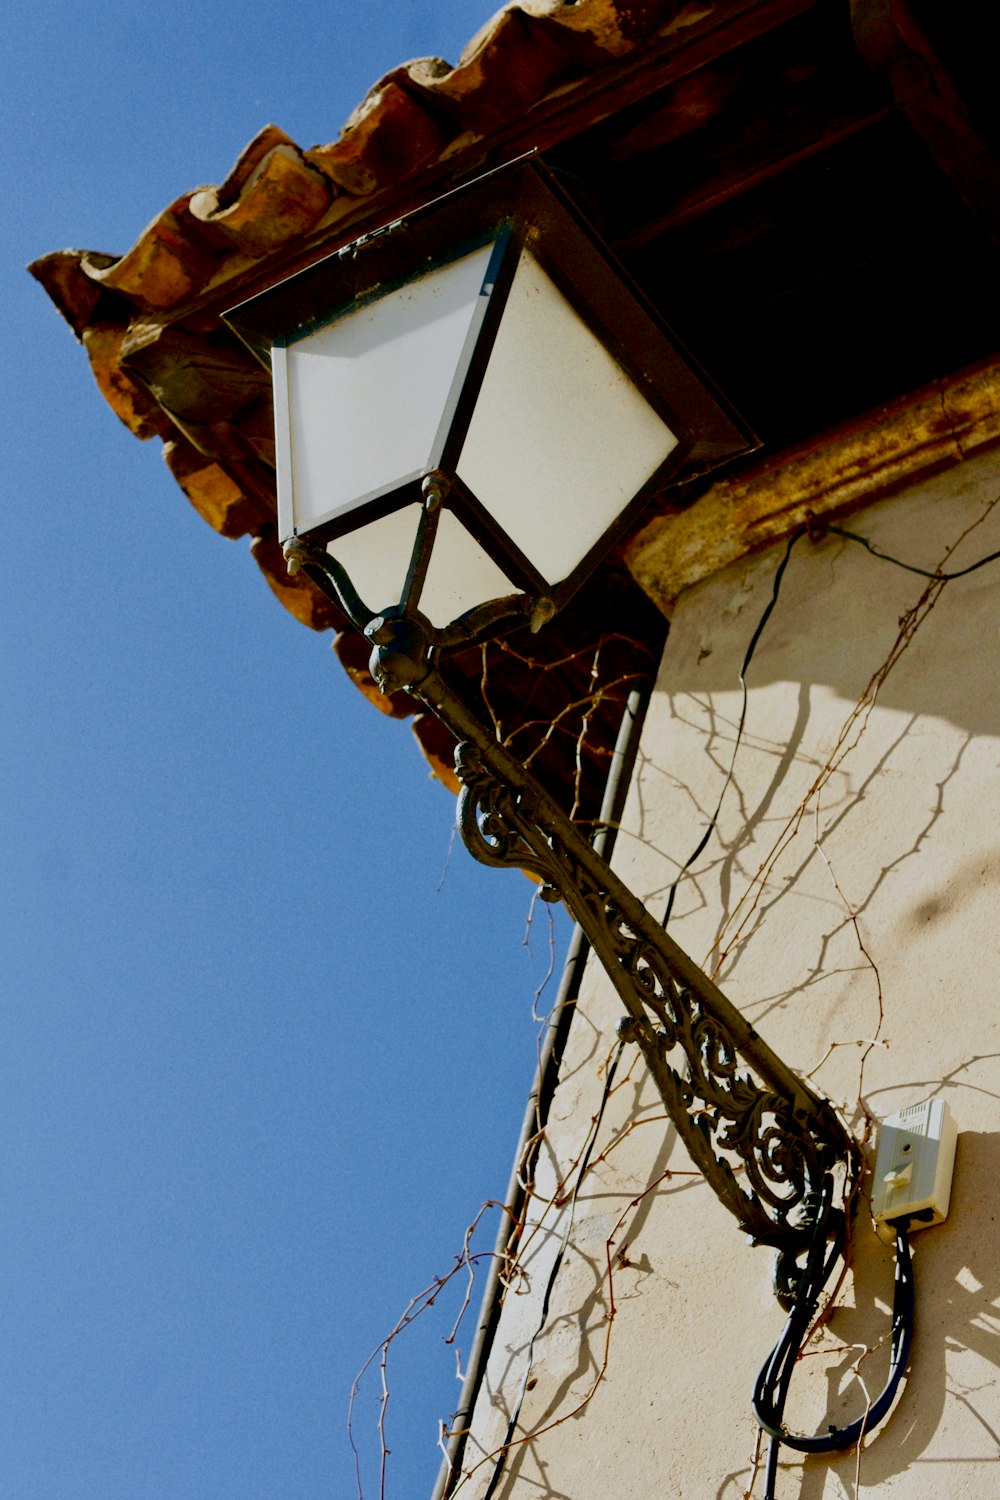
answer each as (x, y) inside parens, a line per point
(761, 1138)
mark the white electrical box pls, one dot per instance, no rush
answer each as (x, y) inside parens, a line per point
(913, 1167)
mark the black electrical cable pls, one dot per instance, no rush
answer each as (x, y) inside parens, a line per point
(826, 528)
(771, 1388)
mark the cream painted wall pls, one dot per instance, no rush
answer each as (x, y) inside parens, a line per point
(849, 903)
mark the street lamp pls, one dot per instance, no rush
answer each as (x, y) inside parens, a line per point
(472, 404)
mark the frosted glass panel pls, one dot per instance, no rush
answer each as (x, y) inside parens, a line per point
(561, 440)
(365, 395)
(460, 573)
(377, 556)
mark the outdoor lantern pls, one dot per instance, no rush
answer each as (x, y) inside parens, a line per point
(487, 351)
(472, 405)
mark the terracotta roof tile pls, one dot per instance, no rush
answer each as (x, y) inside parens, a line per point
(531, 52)
(389, 136)
(280, 199)
(74, 292)
(169, 262)
(213, 492)
(130, 402)
(247, 163)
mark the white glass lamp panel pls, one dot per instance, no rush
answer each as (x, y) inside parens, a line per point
(377, 556)
(363, 398)
(460, 575)
(561, 439)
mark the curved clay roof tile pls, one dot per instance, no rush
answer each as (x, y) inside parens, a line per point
(169, 262)
(281, 199)
(390, 135)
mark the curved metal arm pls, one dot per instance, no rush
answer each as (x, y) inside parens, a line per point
(330, 577)
(486, 619)
(762, 1138)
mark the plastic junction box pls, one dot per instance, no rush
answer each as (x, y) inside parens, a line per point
(913, 1167)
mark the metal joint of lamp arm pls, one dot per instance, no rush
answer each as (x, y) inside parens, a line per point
(763, 1140)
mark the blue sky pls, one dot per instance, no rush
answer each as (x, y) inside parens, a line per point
(265, 1036)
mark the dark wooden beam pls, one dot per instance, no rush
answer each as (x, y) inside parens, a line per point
(895, 45)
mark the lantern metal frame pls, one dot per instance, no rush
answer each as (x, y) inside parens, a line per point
(518, 207)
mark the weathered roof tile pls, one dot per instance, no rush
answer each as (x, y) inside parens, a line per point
(603, 24)
(281, 198)
(74, 292)
(128, 400)
(213, 492)
(530, 52)
(169, 262)
(389, 135)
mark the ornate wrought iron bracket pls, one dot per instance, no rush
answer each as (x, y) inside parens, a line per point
(764, 1141)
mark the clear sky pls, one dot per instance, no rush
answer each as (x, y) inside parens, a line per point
(265, 1037)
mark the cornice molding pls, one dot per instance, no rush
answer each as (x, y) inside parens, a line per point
(934, 429)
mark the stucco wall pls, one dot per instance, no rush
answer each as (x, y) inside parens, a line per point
(848, 902)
